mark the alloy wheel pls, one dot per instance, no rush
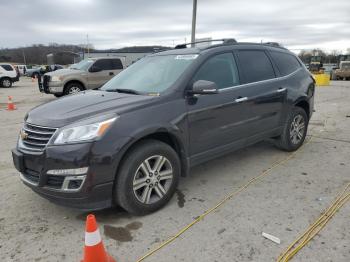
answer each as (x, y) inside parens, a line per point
(74, 90)
(6, 83)
(297, 129)
(152, 179)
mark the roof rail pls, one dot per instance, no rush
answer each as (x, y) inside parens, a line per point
(225, 41)
(275, 44)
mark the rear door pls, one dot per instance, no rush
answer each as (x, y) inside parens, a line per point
(265, 95)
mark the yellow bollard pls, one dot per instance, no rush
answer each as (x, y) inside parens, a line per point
(322, 79)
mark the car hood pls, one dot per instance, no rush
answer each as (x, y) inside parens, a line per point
(65, 72)
(69, 109)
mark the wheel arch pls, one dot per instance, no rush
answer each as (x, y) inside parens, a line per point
(304, 104)
(73, 81)
(163, 135)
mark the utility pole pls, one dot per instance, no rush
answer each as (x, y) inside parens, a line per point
(194, 16)
(88, 46)
(24, 57)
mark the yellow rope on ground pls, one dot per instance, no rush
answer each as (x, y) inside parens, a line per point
(316, 227)
(228, 197)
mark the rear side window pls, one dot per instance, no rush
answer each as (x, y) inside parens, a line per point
(104, 64)
(7, 67)
(117, 64)
(220, 69)
(255, 66)
(285, 63)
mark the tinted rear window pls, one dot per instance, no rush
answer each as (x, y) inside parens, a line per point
(255, 66)
(285, 63)
(7, 67)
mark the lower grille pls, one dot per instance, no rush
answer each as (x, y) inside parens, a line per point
(55, 181)
(35, 138)
(31, 175)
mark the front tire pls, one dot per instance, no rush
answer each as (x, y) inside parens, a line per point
(294, 131)
(148, 177)
(73, 88)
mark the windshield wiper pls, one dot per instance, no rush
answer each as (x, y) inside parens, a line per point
(126, 91)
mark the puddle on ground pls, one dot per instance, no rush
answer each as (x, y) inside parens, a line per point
(180, 198)
(134, 225)
(121, 234)
(107, 215)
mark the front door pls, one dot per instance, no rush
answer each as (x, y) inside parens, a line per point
(218, 122)
(109, 68)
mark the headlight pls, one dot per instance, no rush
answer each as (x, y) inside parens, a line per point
(83, 132)
(56, 78)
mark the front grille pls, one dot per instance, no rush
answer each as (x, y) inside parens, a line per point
(55, 181)
(31, 175)
(35, 138)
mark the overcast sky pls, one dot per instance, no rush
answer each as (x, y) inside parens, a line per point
(117, 23)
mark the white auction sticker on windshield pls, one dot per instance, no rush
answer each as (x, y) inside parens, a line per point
(186, 57)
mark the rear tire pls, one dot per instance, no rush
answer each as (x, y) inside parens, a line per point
(143, 186)
(6, 82)
(294, 131)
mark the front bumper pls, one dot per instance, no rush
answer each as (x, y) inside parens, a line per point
(50, 87)
(95, 191)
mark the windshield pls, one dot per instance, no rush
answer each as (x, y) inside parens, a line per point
(82, 65)
(345, 66)
(152, 74)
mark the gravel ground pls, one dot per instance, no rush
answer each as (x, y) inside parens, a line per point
(283, 203)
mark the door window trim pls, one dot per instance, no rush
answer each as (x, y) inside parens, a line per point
(260, 82)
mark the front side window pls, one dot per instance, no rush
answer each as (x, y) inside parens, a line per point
(151, 74)
(104, 64)
(255, 66)
(285, 63)
(220, 69)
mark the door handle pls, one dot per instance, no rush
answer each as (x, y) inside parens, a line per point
(279, 90)
(241, 99)
(111, 73)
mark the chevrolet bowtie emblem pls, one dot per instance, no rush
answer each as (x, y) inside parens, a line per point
(23, 135)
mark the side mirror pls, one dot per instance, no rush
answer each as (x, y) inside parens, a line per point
(203, 87)
(94, 69)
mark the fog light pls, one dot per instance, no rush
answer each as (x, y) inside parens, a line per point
(73, 183)
(67, 172)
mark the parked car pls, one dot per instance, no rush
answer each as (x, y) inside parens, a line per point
(8, 75)
(129, 142)
(36, 72)
(343, 72)
(22, 69)
(90, 73)
(33, 72)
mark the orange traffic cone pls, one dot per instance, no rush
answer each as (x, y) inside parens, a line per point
(94, 250)
(10, 105)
